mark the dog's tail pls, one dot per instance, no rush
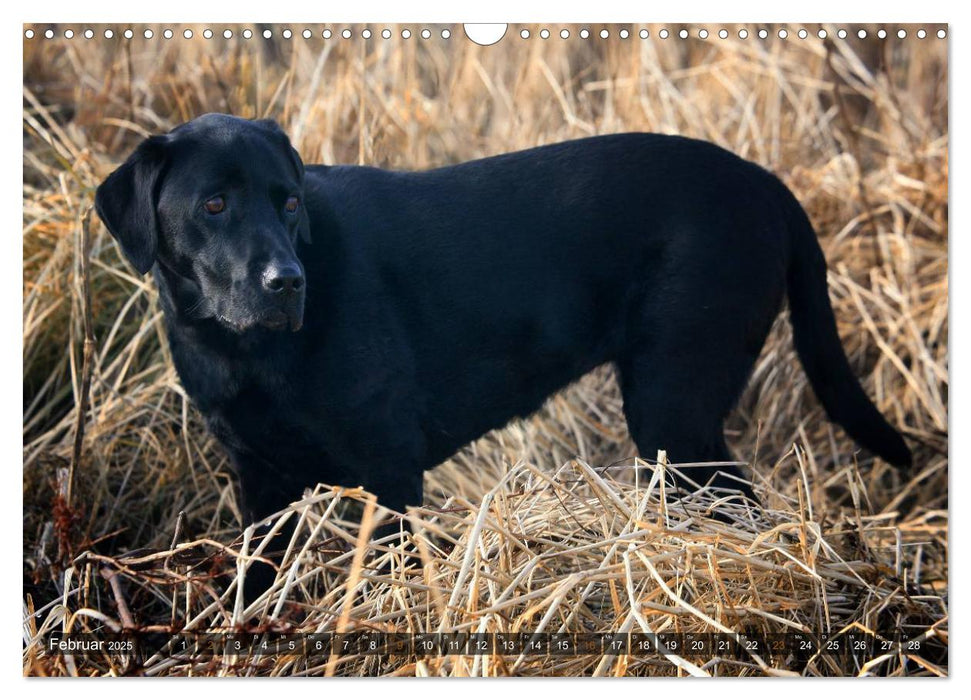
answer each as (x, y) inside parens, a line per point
(818, 345)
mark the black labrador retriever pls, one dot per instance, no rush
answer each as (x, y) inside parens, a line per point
(357, 326)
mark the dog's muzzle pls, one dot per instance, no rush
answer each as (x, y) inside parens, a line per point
(284, 285)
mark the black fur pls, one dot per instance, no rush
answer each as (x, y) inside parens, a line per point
(439, 305)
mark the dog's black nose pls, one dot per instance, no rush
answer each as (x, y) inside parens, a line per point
(283, 279)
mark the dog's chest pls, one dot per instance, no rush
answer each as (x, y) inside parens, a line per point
(237, 383)
(264, 412)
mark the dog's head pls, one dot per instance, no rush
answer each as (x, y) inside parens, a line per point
(218, 204)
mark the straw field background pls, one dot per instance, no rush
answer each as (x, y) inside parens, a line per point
(552, 524)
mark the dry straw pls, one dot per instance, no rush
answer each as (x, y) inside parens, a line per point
(547, 525)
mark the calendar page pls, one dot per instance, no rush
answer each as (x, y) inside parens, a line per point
(416, 349)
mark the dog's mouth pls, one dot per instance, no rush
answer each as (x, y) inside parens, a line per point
(281, 321)
(277, 321)
(231, 324)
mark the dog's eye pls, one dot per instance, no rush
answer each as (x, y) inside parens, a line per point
(215, 205)
(292, 204)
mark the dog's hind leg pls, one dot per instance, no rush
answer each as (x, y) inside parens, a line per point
(677, 392)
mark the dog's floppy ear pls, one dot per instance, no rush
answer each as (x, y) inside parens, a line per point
(127, 199)
(303, 223)
(303, 226)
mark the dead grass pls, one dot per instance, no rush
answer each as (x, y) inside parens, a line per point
(519, 532)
